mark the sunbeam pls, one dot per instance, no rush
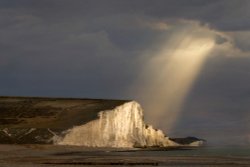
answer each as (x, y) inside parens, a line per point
(171, 73)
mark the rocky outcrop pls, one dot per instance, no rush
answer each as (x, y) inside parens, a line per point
(122, 126)
(189, 141)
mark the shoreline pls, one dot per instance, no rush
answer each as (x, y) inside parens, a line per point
(58, 155)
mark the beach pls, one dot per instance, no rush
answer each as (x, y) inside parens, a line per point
(52, 155)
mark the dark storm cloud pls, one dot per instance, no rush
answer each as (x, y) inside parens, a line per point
(222, 14)
(59, 54)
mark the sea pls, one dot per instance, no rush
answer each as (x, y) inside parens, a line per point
(55, 155)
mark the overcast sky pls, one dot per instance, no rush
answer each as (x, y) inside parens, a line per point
(97, 49)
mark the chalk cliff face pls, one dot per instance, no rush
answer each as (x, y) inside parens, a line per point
(122, 126)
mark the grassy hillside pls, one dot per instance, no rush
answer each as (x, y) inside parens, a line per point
(19, 114)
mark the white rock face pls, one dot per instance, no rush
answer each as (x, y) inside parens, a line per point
(120, 127)
(197, 143)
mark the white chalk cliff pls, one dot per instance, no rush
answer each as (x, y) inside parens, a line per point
(122, 126)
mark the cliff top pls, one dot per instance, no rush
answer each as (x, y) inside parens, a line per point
(47, 112)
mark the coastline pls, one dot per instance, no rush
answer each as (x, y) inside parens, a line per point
(54, 155)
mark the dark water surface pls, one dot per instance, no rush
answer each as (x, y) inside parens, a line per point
(49, 155)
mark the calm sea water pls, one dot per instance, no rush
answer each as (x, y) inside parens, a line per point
(242, 151)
